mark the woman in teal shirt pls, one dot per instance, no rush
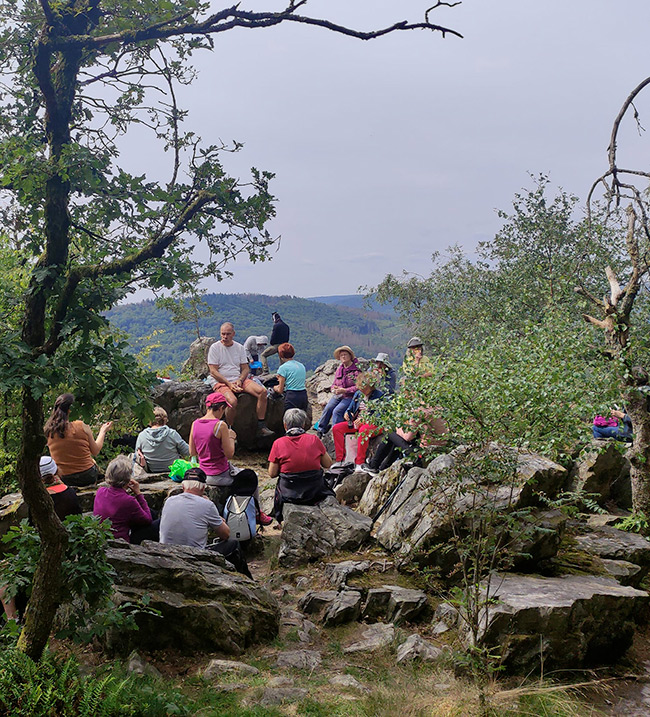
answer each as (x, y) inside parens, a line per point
(291, 379)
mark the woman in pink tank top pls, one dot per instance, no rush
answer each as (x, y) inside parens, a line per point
(213, 442)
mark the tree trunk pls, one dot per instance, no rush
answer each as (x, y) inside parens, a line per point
(44, 599)
(636, 403)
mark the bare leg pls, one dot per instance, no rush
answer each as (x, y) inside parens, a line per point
(232, 400)
(9, 605)
(260, 394)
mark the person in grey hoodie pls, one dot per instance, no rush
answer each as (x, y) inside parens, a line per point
(159, 444)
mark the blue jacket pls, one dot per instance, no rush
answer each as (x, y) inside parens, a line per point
(355, 404)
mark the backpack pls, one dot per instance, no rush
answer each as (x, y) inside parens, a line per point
(240, 516)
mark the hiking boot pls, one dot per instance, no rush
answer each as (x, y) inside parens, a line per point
(265, 432)
(264, 519)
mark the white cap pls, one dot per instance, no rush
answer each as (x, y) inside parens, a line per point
(48, 466)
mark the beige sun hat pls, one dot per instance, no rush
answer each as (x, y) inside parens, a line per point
(382, 358)
(343, 348)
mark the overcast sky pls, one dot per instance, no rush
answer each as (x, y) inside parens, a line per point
(389, 150)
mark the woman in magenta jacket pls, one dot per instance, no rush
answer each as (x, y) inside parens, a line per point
(342, 389)
(128, 512)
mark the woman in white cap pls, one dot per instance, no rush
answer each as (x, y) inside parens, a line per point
(64, 497)
(386, 374)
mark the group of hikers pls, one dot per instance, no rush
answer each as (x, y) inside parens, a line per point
(298, 459)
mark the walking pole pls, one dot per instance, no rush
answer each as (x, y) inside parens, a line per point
(389, 500)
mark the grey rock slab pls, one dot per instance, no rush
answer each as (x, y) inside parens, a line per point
(416, 525)
(416, 648)
(405, 604)
(347, 682)
(448, 613)
(576, 621)
(204, 606)
(217, 668)
(280, 681)
(272, 696)
(379, 489)
(614, 544)
(352, 487)
(316, 600)
(373, 637)
(313, 532)
(266, 500)
(299, 659)
(440, 628)
(394, 603)
(599, 466)
(345, 608)
(626, 573)
(338, 573)
(12, 510)
(598, 520)
(539, 539)
(376, 605)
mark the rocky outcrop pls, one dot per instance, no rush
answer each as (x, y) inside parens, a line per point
(569, 622)
(313, 532)
(374, 637)
(627, 549)
(352, 487)
(184, 402)
(417, 524)
(380, 487)
(12, 510)
(599, 468)
(196, 365)
(416, 648)
(393, 603)
(203, 604)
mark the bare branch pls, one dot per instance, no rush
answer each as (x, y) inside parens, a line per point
(606, 324)
(588, 295)
(615, 288)
(230, 18)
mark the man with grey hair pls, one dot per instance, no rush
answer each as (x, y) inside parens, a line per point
(229, 369)
(187, 517)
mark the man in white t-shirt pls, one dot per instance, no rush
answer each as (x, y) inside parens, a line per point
(229, 375)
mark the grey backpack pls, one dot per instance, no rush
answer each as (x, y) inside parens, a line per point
(240, 516)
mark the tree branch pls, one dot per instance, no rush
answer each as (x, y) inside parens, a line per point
(232, 17)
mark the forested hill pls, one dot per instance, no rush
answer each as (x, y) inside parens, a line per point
(317, 328)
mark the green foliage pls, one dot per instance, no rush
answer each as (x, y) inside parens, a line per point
(530, 267)
(635, 523)
(87, 576)
(54, 687)
(535, 387)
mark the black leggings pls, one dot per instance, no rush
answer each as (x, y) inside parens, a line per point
(232, 552)
(82, 479)
(389, 450)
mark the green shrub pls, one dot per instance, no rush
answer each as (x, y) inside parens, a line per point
(87, 577)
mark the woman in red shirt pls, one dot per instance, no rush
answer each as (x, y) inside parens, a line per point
(297, 460)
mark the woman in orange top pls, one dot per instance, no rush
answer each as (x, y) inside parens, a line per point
(72, 445)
